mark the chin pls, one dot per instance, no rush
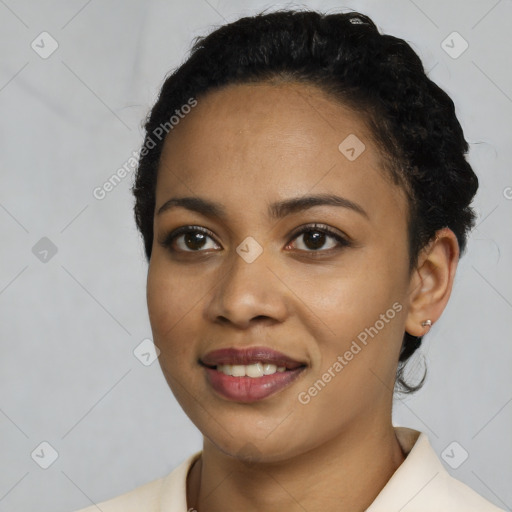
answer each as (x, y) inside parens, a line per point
(252, 447)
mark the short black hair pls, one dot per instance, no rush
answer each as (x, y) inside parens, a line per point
(411, 119)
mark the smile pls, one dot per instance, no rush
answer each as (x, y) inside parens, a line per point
(254, 371)
(249, 375)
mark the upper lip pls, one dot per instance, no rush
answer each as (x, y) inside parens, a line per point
(248, 356)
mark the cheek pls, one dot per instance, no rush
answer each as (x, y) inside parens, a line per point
(173, 299)
(173, 302)
(357, 344)
(352, 297)
(361, 302)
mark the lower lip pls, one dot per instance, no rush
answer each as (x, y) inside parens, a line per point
(249, 389)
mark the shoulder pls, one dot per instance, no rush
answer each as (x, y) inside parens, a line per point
(422, 484)
(168, 493)
(454, 495)
(145, 498)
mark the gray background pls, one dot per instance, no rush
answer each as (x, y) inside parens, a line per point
(69, 324)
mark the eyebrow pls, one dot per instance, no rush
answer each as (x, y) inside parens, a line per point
(276, 210)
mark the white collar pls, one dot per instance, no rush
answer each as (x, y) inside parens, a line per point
(420, 484)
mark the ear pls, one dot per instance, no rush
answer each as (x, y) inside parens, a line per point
(432, 281)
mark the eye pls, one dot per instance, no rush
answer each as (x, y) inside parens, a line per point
(195, 239)
(188, 239)
(315, 236)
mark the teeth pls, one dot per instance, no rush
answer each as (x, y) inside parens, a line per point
(269, 369)
(238, 370)
(255, 370)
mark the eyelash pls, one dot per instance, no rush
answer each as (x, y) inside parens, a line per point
(318, 228)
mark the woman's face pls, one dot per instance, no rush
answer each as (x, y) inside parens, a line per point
(334, 304)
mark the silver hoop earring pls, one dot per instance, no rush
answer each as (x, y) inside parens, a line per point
(426, 323)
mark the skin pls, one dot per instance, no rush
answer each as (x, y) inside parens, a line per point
(246, 146)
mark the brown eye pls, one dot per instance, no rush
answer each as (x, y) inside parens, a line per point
(194, 240)
(314, 238)
(189, 239)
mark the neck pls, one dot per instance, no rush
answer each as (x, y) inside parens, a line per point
(346, 473)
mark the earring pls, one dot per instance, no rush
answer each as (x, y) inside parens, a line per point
(426, 323)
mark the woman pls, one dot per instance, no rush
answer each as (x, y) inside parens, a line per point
(304, 198)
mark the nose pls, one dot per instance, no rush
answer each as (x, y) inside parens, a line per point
(247, 293)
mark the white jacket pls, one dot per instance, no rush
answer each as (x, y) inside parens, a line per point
(420, 484)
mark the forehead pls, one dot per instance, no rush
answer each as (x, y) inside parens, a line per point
(250, 141)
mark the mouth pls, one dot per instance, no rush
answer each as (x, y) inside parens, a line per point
(251, 374)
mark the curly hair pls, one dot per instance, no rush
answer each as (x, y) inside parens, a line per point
(411, 119)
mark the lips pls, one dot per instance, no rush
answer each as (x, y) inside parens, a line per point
(249, 356)
(244, 388)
